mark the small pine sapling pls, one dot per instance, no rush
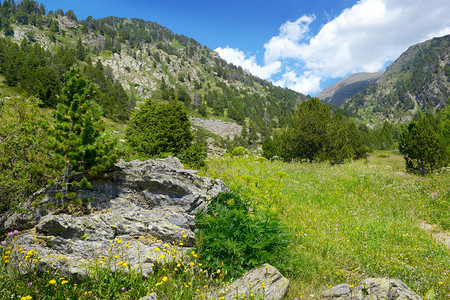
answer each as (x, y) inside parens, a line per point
(80, 143)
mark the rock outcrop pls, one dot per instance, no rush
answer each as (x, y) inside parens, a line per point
(265, 281)
(138, 206)
(373, 288)
(219, 127)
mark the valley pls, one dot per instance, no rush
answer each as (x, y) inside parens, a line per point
(136, 163)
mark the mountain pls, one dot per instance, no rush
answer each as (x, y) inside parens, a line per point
(133, 60)
(344, 89)
(418, 80)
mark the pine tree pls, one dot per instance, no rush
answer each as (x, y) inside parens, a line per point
(423, 149)
(157, 128)
(308, 134)
(80, 142)
(318, 134)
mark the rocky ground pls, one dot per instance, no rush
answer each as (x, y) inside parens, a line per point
(144, 205)
(219, 127)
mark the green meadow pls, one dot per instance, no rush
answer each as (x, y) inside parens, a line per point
(345, 223)
(351, 221)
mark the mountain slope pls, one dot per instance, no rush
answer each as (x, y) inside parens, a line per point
(344, 89)
(418, 79)
(150, 61)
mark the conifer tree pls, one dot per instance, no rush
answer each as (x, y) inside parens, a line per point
(158, 128)
(423, 149)
(80, 143)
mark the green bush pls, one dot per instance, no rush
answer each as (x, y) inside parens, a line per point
(195, 156)
(157, 128)
(26, 162)
(234, 236)
(239, 151)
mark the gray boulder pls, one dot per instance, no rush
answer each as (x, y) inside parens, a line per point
(265, 281)
(373, 288)
(137, 210)
(152, 296)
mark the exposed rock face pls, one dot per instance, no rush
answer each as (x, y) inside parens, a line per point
(219, 127)
(67, 23)
(265, 280)
(147, 204)
(373, 288)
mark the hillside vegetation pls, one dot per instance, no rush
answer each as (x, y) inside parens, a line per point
(143, 58)
(417, 80)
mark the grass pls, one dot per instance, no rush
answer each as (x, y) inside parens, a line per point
(350, 221)
(177, 275)
(347, 222)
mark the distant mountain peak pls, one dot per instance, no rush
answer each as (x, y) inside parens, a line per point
(344, 89)
(418, 80)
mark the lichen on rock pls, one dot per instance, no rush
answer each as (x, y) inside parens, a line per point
(143, 204)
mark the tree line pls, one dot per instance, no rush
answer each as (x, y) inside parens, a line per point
(317, 133)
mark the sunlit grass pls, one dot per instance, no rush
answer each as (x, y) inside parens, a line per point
(350, 221)
(177, 275)
(347, 222)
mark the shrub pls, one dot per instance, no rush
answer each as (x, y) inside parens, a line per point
(234, 236)
(26, 163)
(159, 128)
(239, 151)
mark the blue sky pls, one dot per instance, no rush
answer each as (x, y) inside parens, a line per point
(301, 44)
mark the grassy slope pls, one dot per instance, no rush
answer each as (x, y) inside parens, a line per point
(351, 221)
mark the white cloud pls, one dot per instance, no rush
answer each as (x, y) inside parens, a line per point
(286, 43)
(307, 82)
(238, 58)
(363, 38)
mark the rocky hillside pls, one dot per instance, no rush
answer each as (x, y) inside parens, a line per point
(418, 79)
(344, 89)
(150, 61)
